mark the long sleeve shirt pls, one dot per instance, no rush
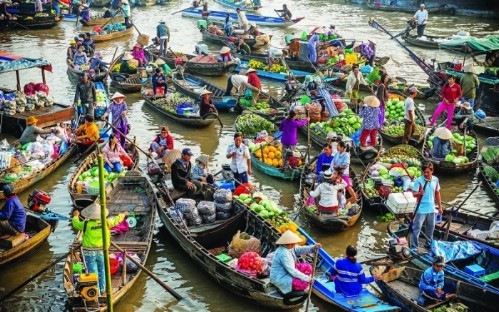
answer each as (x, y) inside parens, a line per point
(92, 235)
(116, 110)
(289, 128)
(350, 277)
(353, 82)
(90, 132)
(370, 117)
(469, 83)
(86, 93)
(328, 193)
(206, 106)
(96, 62)
(31, 132)
(13, 211)
(198, 172)
(441, 148)
(125, 10)
(431, 280)
(240, 82)
(254, 81)
(181, 173)
(113, 155)
(451, 93)
(323, 162)
(282, 270)
(162, 31)
(80, 58)
(138, 54)
(467, 115)
(168, 141)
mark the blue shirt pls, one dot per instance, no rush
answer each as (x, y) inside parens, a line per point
(350, 277)
(283, 268)
(125, 10)
(323, 160)
(13, 211)
(441, 148)
(431, 280)
(428, 199)
(342, 159)
(96, 62)
(370, 117)
(162, 31)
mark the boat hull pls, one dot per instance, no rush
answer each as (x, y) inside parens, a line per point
(259, 20)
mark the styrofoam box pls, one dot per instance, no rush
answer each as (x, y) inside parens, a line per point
(399, 203)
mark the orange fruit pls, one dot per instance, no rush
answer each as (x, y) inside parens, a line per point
(281, 163)
(275, 162)
(271, 155)
(266, 150)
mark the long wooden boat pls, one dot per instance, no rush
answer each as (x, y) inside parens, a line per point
(488, 125)
(77, 74)
(113, 35)
(15, 247)
(224, 40)
(441, 165)
(100, 3)
(99, 20)
(431, 42)
(276, 113)
(408, 9)
(192, 86)
(404, 292)
(259, 20)
(171, 57)
(134, 193)
(29, 22)
(204, 252)
(328, 222)
(300, 65)
(209, 69)
(489, 184)
(25, 183)
(190, 120)
(486, 257)
(232, 4)
(265, 74)
(291, 175)
(126, 82)
(419, 135)
(82, 200)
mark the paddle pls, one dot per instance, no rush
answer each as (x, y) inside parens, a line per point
(485, 216)
(112, 17)
(448, 222)
(151, 274)
(189, 8)
(113, 60)
(310, 286)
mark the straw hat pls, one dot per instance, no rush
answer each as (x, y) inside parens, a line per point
(469, 69)
(205, 92)
(443, 133)
(251, 70)
(288, 238)
(466, 105)
(124, 1)
(93, 212)
(356, 45)
(127, 57)
(328, 175)
(224, 50)
(117, 95)
(31, 120)
(373, 41)
(72, 41)
(159, 61)
(371, 101)
(203, 159)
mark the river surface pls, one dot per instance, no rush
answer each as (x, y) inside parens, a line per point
(166, 258)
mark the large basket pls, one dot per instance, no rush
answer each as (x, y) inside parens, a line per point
(170, 158)
(143, 40)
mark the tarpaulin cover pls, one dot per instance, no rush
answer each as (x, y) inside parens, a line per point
(452, 251)
(11, 62)
(474, 45)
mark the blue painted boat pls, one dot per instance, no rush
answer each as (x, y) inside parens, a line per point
(282, 77)
(69, 17)
(192, 86)
(259, 20)
(325, 289)
(231, 4)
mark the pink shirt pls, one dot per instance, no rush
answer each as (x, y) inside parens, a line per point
(113, 156)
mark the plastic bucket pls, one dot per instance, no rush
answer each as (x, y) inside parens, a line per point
(458, 66)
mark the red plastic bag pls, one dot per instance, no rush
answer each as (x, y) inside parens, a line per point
(127, 161)
(29, 88)
(298, 284)
(243, 189)
(42, 87)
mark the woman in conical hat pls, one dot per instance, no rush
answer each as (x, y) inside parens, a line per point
(441, 143)
(283, 268)
(118, 110)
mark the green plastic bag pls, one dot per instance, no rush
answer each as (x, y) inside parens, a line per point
(305, 99)
(348, 51)
(304, 35)
(245, 102)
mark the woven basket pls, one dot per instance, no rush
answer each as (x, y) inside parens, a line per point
(170, 158)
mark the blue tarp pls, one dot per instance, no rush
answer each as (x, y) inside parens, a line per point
(10, 62)
(452, 251)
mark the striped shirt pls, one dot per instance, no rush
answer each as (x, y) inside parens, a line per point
(350, 277)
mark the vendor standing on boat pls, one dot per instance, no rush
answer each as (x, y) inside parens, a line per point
(86, 94)
(206, 105)
(228, 25)
(242, 19)
(92, 241)
(32, 131)
(118, 110)
(383, 96)
(126, 12)
(451, 94)
(85, 14)
(241, 159)
(312, 45)
(294, 48)
(427, 190)
(370, 121)
(355, 79)
(289, 127)
(282, 270)
(469, 84)
(12, 214)
(409, 116)
(163, 33)
(432, 281)
(254, 84)
(240, 82)
(421, 17)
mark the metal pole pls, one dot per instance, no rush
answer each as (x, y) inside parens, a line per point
(104, 234)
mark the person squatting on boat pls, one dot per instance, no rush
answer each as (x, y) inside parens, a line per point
(12, 214)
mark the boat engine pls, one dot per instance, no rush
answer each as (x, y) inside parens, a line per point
(87, 286)
(38, 201)
(399, 248)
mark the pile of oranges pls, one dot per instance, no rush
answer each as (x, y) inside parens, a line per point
(270, 155)
(293, 227)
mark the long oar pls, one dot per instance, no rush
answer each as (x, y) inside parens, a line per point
(310, 286)
(111, 18)
(478, 214)
(151, 274)
(189, 8)
(113, 60)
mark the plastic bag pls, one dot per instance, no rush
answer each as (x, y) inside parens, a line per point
(221, 215)
(222, 196)
(206, 208)
(223, 207)
(209, 218)
(298, 284)
(243, 242)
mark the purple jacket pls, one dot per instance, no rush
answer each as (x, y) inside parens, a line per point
(289, 128)
(13, 211)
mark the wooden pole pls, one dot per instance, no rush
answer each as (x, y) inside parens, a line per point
(43, 76)
(103, 216)
(124, 268)
(18, 81)
(310, 287)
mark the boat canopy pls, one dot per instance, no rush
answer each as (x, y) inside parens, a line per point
(11, 62)
(473, 45)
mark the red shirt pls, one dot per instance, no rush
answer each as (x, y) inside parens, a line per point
(254, 81)
(451, 93)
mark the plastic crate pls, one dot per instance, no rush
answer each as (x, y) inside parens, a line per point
(474, 270)
(228, 185)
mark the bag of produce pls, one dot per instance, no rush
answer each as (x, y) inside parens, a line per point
(243, 242)
(298, 284)
(185, 205)
(250, 261)
(222, 196)
(206, 208)
(223, 207)
(209, 218)
(222, 215)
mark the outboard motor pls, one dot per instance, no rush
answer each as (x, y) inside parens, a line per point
(38, 201)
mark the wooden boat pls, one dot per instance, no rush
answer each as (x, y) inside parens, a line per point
(29, 22)
(77, 74)
(192, 86)
(265, 74)
(259, 20)
(171, 57)
(15, 247)
(100, 3)
(291, 175)
(232, 4)
(133, 193)
(28, 181)
(323, 221)
(394, 8)
(404, 292)
(441, 165)
(276, 113)
(300, 65)
(204, 252)
(224, 40)
(485, 257)
(419, 135)
(431, 42)
(125, 82)
(99, 20)
(489, 185)
(113, 35)
(488, 125)
(209, 69)
(82, 200)
(190, 120)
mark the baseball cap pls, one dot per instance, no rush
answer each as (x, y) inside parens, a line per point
(187, 151)
(413, 90)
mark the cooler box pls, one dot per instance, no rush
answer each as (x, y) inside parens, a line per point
(228, 185)
(401, 203)
(474, 270)
(202, 24)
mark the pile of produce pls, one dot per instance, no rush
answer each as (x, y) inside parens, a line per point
(116, 68)
(492, 174)
(458, 139)
(346, 123)
(275, 68)
(171, 101)
(397, 130)
(270, 155)
(88, 181)
(250, 261)
(490, 154)
(252, 124)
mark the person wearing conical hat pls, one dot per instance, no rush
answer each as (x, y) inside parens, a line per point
(282, 270)
(206, 105)
(126, 64)
(32, 131)
(225, 54)
(200, 172)
(118, 110)
(369, 112)
(92, 241)
(441, 143)
(469, 84)
(139, 54)
(164, 67)
(466, 115)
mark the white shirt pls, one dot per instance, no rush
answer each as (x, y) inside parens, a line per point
(421, 16)
(239, 163)
(243, 20)
(240, 82)
(409, 106)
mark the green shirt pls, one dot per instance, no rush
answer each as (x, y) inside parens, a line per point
(92, 237)
(126, 69)
(469, 83)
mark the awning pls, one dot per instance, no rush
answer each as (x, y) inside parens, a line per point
(473, 45)
(11, 62)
